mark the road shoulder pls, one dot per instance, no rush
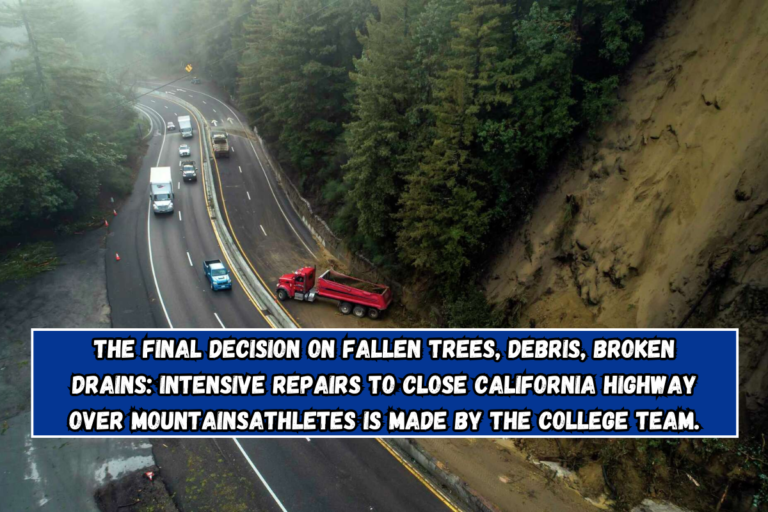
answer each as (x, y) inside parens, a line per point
(500, 476)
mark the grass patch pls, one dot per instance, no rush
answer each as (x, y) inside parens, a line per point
(211, 485)
(91, 219)
(27, 261)
(143, 124)
(570, 211)
(468, 309)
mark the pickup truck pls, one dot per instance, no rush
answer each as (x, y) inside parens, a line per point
(355, 296)
(188, 170)
(217, 274)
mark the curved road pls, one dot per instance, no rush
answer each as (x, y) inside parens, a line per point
(270, 233)
(158, 282)
(170, 248)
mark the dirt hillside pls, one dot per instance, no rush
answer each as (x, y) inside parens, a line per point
(662, 221)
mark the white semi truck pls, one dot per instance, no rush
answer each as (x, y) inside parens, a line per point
(185, 126)
(161, 189)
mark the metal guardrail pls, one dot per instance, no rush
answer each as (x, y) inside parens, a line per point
(252, 284)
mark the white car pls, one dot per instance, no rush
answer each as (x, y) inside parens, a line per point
(170, 126)
(184, 150)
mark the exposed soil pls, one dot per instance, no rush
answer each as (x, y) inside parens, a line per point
(669, 206)
(662, 222)
(500, 473)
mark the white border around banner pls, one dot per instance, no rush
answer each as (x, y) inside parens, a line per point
(147, 435)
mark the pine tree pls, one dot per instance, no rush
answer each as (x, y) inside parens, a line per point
(301, 74)
(258, 29)
(382, 139)
(445, 214)
(529, 112)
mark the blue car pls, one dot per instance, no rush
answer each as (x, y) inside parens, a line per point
(217, 274)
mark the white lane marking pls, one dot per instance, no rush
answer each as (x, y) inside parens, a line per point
(249, 195)
(191, 96)
(256, 470)
(241, 169)
(205, 102)
(179, 187)
(149, 234)
(190, 260)
(233, 149)
(214, 110)
(151, 122)
(269, 183)
(179, 215)
(153, 101)
(262, 230)
(166, 106)
(220, 322)
(182, 90)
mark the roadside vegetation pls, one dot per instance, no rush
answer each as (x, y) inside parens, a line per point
(25, 261)
(422, 129)
(68, 130)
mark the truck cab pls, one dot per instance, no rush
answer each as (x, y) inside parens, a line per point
(217, 275)
(355, 296)
(299, 282)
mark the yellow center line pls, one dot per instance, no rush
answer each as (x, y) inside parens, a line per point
(232, 230)
(420, 478)
(218, 240)
(396, 455)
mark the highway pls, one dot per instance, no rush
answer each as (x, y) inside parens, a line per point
(260, 217)
(168, 250)
(158, 282)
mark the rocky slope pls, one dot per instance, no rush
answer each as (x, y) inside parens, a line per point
(662, 222)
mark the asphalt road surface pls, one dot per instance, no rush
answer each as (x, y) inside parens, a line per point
(260, 217)
(159, 282)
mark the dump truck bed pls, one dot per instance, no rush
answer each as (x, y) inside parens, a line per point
(346, 288)
(353, 282)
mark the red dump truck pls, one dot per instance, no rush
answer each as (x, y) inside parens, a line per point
(354, 295)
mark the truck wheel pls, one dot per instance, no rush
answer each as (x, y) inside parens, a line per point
(373, 313)
(282, 294)
(359, 311)
(345, 308)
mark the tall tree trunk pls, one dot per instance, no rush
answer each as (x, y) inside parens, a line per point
(577, 17)
(35, 54)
